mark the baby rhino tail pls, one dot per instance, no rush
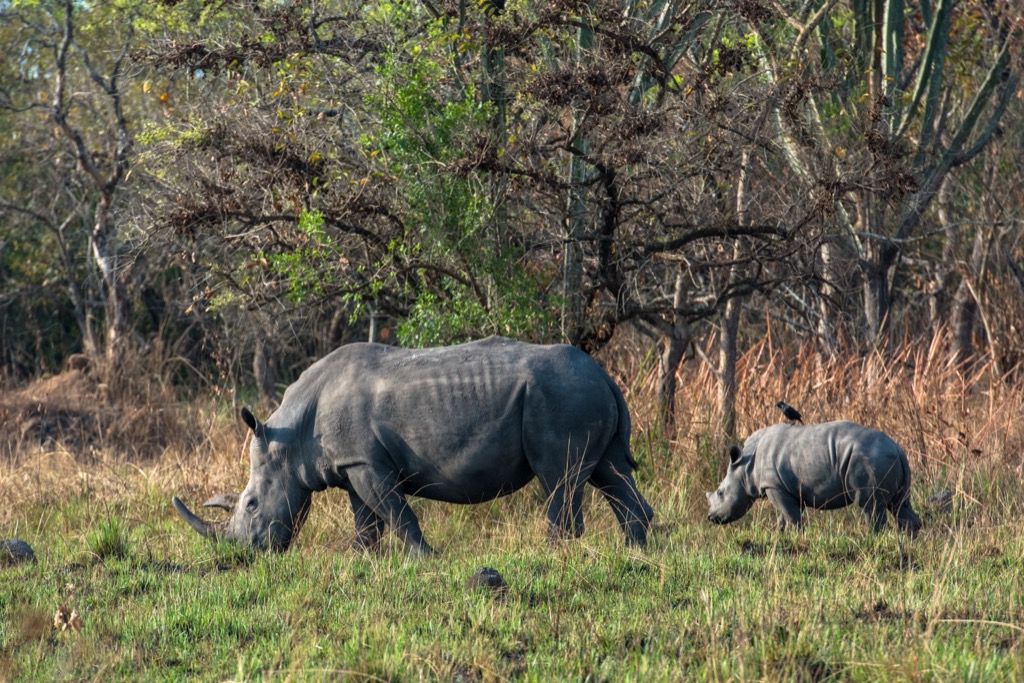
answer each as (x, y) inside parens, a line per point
(906, 519)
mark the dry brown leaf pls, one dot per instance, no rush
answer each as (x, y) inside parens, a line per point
(65, 619)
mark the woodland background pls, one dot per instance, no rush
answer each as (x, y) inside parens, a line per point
(209, 195)
(727, 202)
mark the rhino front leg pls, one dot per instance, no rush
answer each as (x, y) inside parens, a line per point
(403, 522)
(385, 499)
(787, 506)
(369, 525)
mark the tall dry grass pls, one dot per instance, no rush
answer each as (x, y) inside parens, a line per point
(962, 430)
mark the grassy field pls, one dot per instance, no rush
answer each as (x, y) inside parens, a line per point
(743, 602)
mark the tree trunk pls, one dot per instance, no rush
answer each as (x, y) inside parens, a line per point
(494, 90)
(727, 369)
(104, 169)
(731, 315)
(877, 271)
(263, 372)
(965, 306)
(576, 218)
(82, 311)
(944, 275)
(115, 321)
(672, 349)
(829, 275)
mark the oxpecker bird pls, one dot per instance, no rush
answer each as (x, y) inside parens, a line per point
(789, 412)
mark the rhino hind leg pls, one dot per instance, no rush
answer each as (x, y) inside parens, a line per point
(875, 516)
(874, 510)
(565, 509)
(630, 508)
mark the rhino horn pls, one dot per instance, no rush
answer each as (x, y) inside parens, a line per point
(225, 501)
(202, 527)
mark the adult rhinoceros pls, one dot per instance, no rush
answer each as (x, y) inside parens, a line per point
(462, 424)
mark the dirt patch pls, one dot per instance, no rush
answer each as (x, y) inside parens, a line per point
(782, 547)
(75, 411)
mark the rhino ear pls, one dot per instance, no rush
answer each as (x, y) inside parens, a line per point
(734, 454)
(250, 420)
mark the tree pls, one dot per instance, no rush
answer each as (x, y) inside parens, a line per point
(341, 170)
(873, 105)
(63, 75)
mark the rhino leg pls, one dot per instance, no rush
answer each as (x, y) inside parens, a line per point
(381, 492)
(630, 508)
(403, 522)
(875, 517)
(873, 506)
(369, 525)
(565, 510)
(787, 506)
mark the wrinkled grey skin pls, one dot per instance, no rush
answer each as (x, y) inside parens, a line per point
(462, 424)
(822, 466)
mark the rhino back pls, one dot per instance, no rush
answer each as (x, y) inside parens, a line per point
(453, 421)
(826, 463)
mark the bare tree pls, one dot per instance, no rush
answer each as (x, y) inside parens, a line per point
(85, 107)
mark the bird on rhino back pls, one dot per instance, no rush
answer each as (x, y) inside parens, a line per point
(823, 466)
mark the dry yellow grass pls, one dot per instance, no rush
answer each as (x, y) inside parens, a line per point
(958, 429)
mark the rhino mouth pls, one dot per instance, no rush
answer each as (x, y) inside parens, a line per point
(277, 539)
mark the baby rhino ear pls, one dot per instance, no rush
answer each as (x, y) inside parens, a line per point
(734, 454)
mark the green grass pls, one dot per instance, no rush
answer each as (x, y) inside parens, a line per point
(703, 603)
(741, 602)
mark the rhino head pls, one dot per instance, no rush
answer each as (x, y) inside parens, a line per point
(733, 497)
(270, 511)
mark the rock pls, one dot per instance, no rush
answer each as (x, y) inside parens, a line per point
(15, 551)
(488, 578)
(941, 501)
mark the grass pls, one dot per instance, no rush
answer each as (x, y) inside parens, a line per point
(742, 602)
(703, 603)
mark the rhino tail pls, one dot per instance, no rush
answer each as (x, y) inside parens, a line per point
(625, 425)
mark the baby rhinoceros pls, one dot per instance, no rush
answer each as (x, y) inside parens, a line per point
(822, 466)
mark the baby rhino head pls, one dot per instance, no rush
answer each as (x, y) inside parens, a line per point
(731, 500)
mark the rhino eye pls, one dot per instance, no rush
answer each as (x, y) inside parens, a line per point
(251, 505)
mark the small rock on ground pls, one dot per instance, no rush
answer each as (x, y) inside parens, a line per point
(486, 577)
(15, 551)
